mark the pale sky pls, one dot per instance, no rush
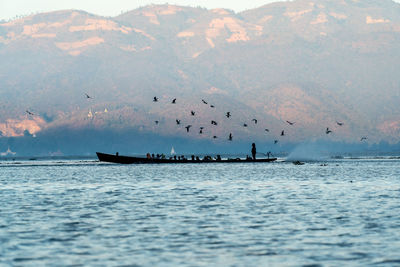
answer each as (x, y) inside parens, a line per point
(11, 8)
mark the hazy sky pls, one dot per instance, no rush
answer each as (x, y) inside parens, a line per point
(11, 8)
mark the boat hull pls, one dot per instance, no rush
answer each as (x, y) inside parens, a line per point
(112, 158)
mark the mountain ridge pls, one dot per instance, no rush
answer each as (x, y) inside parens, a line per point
(314, 62)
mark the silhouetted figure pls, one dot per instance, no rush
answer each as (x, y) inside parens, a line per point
(192, 113)
(30, 113)
(152, 156)
(88, 96)
(283, 133)
(218, 158)
(363, 138)
(204, 101)
(197, 158)
(215, 137)
(267, 130)
(327, 131)
(214, 123)
(201, 130)
(275, 142)
(230, 137)
(192, 157)
(148, 156)
(212, 106)
(244, 125)
(156, 122)
(173, 101)
(178, 121)
(291, 123)
(155, 99)
(228, 115)
(175, 157)
(339, 123)
(117, 154)
(253, 150)
(255, 121)
(188, 127)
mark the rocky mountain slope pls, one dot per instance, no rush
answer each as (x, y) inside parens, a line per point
(311, 62)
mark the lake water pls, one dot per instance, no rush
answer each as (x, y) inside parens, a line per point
(85, 213)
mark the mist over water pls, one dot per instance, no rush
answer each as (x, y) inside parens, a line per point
(89, 213)
(308, 152)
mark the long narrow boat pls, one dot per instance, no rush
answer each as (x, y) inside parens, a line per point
(138, 160)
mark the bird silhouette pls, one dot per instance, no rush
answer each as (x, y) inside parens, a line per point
(363, 138)
(215, 137)
(88, 96)
(188, 127)
(244, 125)
(214, 123)
(173, 101)
(267, 130)
(230, 137)
(283, 133)
(228, 114)
(276, 141)
(212, 106)
(201, 130)
(291, 123)
(339, 123)
(255, 121)
(155, 99)
(156, 122)
(327, 131)
(192, 113)
(204, 101)
(178, 121)
(30, 113)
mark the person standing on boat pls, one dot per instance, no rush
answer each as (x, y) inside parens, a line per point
(253, 151)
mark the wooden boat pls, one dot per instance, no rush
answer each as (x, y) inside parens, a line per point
(115, 158)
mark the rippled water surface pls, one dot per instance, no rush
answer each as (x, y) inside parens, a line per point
(255, 214)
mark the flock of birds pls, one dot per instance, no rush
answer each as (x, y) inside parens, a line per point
(229, 115)
(215, 123)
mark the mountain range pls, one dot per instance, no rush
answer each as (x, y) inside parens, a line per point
(314, 63)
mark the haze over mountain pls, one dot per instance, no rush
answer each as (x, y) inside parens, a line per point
(311, 62)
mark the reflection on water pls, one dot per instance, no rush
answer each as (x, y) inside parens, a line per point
(88, 213)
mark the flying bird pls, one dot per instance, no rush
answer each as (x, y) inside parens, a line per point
(201, 130)
(173, 101)
(156, 122)
(188, 127)
(339, 123)
(212, 106)
(255, 121)
(178, 121)
(283, 133)
(215, 137)
(30, 113)
(276, 141)
(230, 137)
(291, 123)
(204, 101)
(267, 130)
(155, 99)
(327, 131)
(214, 123)
(228, 114)
(88, 96)
(192, 113)
(244, 125)
(363, 138)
